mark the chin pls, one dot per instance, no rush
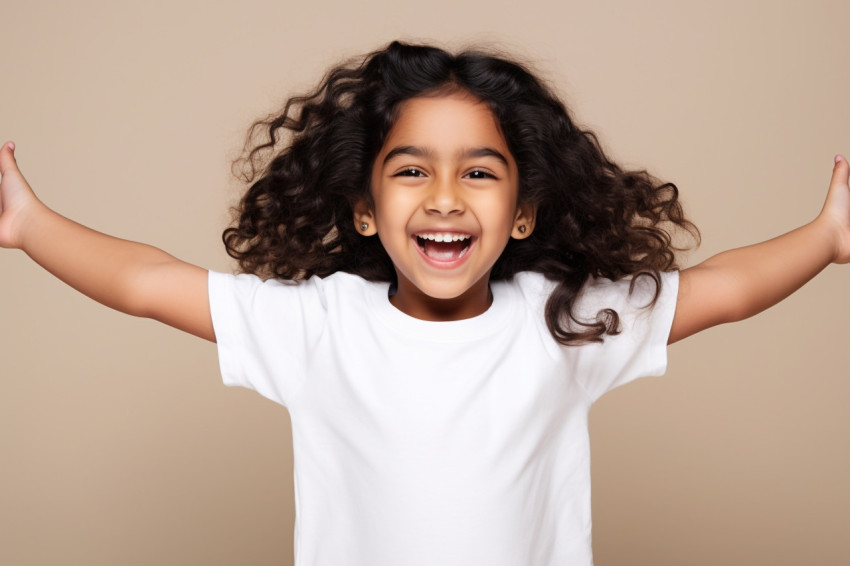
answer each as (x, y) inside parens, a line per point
(445, 292)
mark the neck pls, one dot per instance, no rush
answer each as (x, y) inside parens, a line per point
(413, 302)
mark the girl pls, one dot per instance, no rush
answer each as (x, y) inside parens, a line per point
(472, 274)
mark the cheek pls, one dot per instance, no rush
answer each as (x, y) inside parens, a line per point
(391, 219)
(394, 205)
(497, 213)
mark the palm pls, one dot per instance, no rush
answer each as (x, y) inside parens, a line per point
(836, 210)
(15, 196)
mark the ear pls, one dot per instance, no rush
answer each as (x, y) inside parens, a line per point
(364, 217)
(526, 214)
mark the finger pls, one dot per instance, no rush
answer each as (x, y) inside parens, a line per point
(8, 164)
(841, 171)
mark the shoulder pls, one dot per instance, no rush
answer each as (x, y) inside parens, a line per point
(598, 292)
(247, 282)
(532, 287)
(636, 292)
(637, 301)
(251, 293)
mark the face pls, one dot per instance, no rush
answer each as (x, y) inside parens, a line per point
(444, 192)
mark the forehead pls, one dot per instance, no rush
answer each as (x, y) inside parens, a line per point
(456, 120)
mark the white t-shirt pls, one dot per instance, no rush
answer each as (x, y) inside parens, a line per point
(435, 443)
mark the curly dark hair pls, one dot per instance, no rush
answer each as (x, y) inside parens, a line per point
(309, 165)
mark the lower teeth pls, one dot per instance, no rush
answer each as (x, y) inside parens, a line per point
(444, 251)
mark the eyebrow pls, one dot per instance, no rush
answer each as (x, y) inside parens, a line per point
(417, 151)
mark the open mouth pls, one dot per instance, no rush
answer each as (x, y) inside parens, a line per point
(444, 246)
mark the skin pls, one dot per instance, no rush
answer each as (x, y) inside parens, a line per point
(144, 281)
(444, 168)
(133, 278)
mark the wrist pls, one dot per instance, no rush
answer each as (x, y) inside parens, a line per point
(32, 220)
(828, 232)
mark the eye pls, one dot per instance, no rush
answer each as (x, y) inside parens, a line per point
(480, 174)
(409, 172)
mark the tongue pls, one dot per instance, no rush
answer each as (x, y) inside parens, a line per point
(443, 251)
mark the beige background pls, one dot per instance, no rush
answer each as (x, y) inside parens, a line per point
(118, 445)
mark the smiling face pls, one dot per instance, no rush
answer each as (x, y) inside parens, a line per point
(444, 204)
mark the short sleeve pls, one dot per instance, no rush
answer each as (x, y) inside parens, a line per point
(640, 349)
(265, 330)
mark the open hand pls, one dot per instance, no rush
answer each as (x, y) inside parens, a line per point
(835, 215)
(16, 198)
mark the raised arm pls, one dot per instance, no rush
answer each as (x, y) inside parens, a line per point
(130, 277)
(740, 283)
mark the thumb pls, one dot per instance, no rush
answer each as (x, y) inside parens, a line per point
(840, 172)
(8, 164)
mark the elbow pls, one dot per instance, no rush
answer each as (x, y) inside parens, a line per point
(134, 305)
(741, 306)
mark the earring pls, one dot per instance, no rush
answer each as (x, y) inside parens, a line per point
(364, 226)
(521, 228)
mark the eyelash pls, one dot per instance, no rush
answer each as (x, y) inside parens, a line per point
(410, 172)
(486, 174)
(415, 172)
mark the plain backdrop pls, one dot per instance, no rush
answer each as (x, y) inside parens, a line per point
(119, 445)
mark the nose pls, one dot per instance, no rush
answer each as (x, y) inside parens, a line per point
(444, 197)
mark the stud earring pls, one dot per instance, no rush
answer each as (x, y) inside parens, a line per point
(521, 228)
(364, 226)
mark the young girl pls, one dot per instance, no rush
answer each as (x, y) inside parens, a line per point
(472, 274)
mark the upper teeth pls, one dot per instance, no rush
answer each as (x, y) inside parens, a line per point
(444, 236)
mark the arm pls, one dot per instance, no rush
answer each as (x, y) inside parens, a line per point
(133, 278)
(740, 283)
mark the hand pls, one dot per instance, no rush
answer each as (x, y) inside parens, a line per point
(835, 216)
(739, 283)
(16, 198)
